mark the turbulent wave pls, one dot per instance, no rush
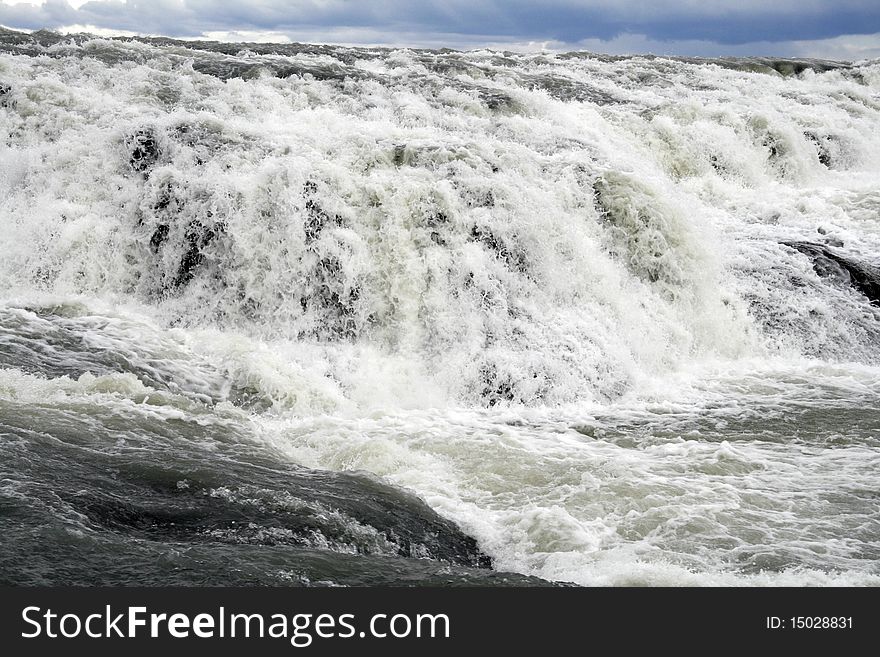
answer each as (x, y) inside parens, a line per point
(616, 318)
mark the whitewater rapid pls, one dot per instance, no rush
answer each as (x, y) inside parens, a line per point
(611, 317)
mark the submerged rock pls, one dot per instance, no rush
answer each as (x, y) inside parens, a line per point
(195, 486)
(5, 95)
(144, 149)
(823, 152)
(181, 221)
(829, 264)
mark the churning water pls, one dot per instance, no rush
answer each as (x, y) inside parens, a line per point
(309, 314)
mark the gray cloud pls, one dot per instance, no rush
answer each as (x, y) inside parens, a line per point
(729, 24)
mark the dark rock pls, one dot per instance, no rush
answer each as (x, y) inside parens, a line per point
(327, 296)
(316, 218)
(484, 200)
(398, 155)
(496, 388)
(434, 220)
(144, 149)
(496, 100)
(821, 144)
(775, 146)
(514, 258)
(200, 229)
(195, 487)
(568, 90)
(497, 392)
(197, 236)
(829, 264)
(159, 236)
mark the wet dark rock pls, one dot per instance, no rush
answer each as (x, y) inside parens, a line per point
(821, 144)
(496, 100)
(514, 257)
(496, 388)
(773, 66)
(144, 149)
(481, 199)
(164, 200)
(434, 221)
(830, 264)
(334, 303)
(197, 237)
(398, 155)
(159, 236)
(186, 225)
(290, 515)
(787, 67)
(228, 68)
(316, 219)
(5, 95)
(565, 89)
(169, 490)
(775, 145)
(500, 392)
(189, 231)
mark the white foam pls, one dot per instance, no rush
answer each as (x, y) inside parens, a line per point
(392, 253)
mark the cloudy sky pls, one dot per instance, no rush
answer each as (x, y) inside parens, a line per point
(839, 29)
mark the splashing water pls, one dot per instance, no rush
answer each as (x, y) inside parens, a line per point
(351, 315)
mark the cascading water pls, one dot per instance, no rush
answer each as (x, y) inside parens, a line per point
(317, 314)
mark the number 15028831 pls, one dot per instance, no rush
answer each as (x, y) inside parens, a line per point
(809, 623)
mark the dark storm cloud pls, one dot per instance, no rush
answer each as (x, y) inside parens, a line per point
(569, 21)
